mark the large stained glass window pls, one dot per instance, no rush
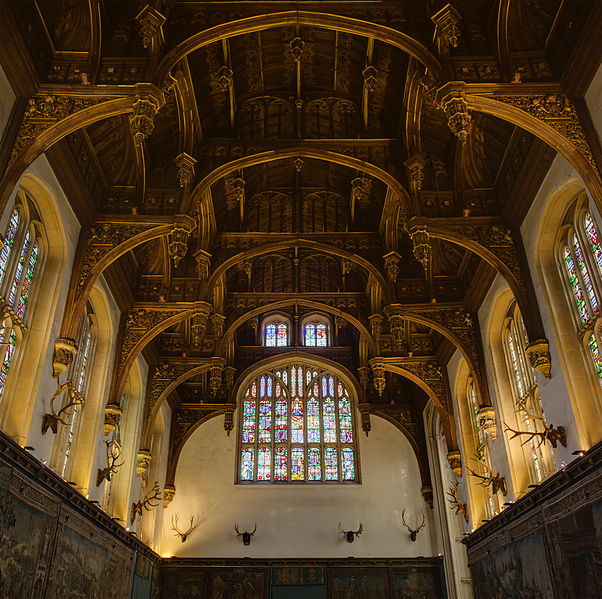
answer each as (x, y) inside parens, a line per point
(594, 240)
(9, 241)
(576, 285)
(296, 426)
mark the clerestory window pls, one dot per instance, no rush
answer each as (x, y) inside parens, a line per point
(297, 426)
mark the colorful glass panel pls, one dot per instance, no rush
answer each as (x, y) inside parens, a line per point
(31, 266)
(19, 270)
(345, 420)
(518, 379)
(593, 346)
(313, 421)
(247, 463)
(585, 274)
(282, 335)
(328, 421)
(9, 241)
(265, 421)
(314, 467)
(575, 285)
(347, 464)
(264, 463)
(270, 335)
(330, 386)
(297, 464)
(280, 464)
(248, 424)
(310, 335)
(321, 335)
(8, 354)
(472, 396)
(281, 421)
(297, 421)
(594, 240)
(331, 468)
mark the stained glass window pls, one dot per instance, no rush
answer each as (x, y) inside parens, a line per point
(592, 235)
(9, 241)
(593, 347)
(575, 285)
(8, 354)
(585, 274)
(316, 334)
(19, 270)
(33, 259)
(299, 432)
(276, 334)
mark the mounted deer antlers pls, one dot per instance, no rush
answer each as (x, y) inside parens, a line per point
(454, 499)
(246, 536)
(113, 454)
(497, 482)
(413, 533)
(74, 399)
(179, 533)
(551, 434)
(351, 534)
(147, 503)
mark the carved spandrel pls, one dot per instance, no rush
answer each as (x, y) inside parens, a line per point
(186, 418)
(557, 111)
(432, 374)
(102, 239)
(45, 110)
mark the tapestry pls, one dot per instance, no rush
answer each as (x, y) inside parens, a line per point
(23, 531)
(517, 570)
(237, 583)
(141, 582)
(299, 592)
(180, 583)
(290, 575)
(81, 569)
(418, 583)
(358, 583)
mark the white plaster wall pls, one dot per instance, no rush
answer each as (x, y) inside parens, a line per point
(7, 99)
(300, 520)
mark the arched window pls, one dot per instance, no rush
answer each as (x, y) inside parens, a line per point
(78, 373)
(276, 331)
(580, 263)
(482, 459)
(315, 331)
(525, 394)
(19, 267)
(296, 427)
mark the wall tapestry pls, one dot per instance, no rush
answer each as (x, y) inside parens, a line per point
(418, 583)
(358, 583)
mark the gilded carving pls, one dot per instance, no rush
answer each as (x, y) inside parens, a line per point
(43, 111)
(169, 492)
(364, 410)
(203, 264)
(538, 353)
(185, 164)
(455, 462)
(421, 244)
(151, 21)
(142, 121)
(558, 112)
(378, 369)
(229, 409)
(143, 458)
(215, 374)
(415, 165)
(447, 20)
(487, 420)
(458, 117)
(178, 244)
(392, 260)
(113, 415)
(64, 352)
(376, 321)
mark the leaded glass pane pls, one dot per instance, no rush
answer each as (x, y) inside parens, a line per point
(321, 335)
(592, 235)
(33, 258)
(270, 335)
(10, 350)
(281, 421)
(593, 346)
(313, 421)
(330, 434)
(246, 463)
(265, 421)
(310, 335)
(280, 464)
(331, 470)
(19, 270)
(347, 465)
(248, 426)
(585, 274)
(297, 464)
(575, 285)
(9, 241)
(297, 421)
(282, 335)
(264, 463)
(345, 420)
(314, 468)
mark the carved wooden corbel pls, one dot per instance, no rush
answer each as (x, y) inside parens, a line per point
(169, 492)
(378, 370)
(143, 459)
(448, 32)
(151, 22)
(538, 353)
(455, 462)
(185, 165)
(364, 409)
(453, 103)
(487, 420)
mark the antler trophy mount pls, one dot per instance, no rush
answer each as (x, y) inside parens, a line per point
(453, 495)
(179, 533)
(413, 532)
(147, 503)
(246, 536)
(497, 482)
(549, 433)
(113, 454)
(351, 534)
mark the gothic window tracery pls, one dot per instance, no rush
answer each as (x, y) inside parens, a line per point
(315, 331)
(276, 331)
(297, 427)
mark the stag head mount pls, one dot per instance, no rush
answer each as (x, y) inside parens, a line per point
(113, 454)
(147, 503)
(453, 496)
(413, 533)
(549, 433)
(246, 536)
(179, 533)
(497, 482)
(351, 534)
(72, 399)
